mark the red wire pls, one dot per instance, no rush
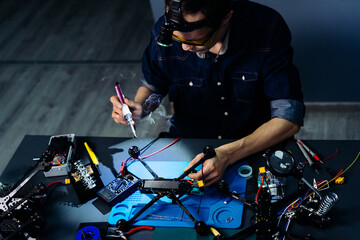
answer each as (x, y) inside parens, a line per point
(187, 181)
(50, 185)
(338, 173)
(336, 152)
(162, 148)
(53, 183)
(122, 163)
(140, 228)
(257, 194)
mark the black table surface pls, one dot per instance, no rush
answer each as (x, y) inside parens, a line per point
(64, 213)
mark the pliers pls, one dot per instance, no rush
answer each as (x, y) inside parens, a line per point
(122, 235)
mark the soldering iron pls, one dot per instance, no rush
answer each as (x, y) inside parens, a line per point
(125, 108)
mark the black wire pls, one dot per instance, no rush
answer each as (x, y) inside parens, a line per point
(149, 145)
(142, 150)
(202, 177)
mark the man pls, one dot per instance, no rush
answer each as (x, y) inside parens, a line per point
(230, 75)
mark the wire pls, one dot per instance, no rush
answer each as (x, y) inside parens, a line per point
(201, 189)
(53, 183)
(187, 181)
(327, 158)
(337, 175)
(162, 148)
(65, 181)
(336, 152)
(349, 166)
(147, 147)
(320, 185)
(257, 194)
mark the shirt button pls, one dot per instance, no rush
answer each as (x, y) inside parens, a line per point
(191, 84)
(226, 113)
(222, 98)
(219, 83)
(219, 137)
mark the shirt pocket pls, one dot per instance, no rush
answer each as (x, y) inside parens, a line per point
(190, 88)
(245, 85)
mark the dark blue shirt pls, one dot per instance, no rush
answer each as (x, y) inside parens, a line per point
(230, 95)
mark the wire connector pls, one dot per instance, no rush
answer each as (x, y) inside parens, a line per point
(262, 171)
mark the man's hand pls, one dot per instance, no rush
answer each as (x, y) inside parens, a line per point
(270, 133)
(117, 114)
(212, 170)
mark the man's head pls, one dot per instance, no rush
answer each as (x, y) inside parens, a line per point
(195, 23)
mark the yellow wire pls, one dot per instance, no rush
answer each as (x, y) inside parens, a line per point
(333, 178)
(350, 164)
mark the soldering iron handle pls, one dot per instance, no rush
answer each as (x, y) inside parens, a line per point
(209, 152)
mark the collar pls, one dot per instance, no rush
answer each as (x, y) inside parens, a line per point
(223, 48)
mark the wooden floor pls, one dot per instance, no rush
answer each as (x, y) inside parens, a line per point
(59, 60)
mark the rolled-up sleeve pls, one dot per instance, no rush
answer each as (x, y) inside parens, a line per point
(281, 78)
(288, 109)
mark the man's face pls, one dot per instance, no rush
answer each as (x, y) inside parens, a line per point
(204, 35)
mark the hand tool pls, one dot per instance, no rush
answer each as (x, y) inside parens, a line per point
(125, 108)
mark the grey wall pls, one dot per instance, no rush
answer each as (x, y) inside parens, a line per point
(157, 8)
(326, 40)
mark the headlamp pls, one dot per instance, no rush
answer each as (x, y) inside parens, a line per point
(175, 21)
(165, 38)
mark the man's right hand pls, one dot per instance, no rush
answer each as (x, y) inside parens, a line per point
(117, 114)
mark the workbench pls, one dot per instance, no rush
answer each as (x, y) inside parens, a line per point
(64, 213)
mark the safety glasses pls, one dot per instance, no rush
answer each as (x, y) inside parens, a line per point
(205, 41)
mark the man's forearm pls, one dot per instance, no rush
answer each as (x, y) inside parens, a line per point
(142, 94)
(270, 133)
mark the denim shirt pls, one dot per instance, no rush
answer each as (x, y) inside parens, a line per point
(229, 95)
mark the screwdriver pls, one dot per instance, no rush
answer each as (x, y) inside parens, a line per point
(93, 157)
(125, 108)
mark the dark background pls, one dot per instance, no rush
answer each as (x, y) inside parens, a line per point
(326, 37)
(59, 60)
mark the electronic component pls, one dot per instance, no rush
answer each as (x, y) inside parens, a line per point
(276, 185)
(118, 189)
(165, 185)
(64, 151)
(86, 180)
(83, 174)
(264, 213)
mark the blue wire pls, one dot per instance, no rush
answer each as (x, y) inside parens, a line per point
(300, 198)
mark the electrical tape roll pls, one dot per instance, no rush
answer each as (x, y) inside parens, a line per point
(245, 171)
(88, 233)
